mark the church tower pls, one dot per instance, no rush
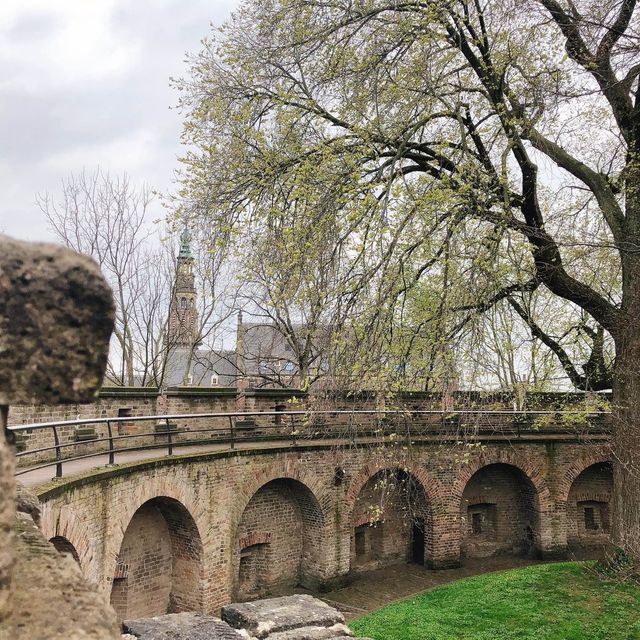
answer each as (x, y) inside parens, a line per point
(183, 315)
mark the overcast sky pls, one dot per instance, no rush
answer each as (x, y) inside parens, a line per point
(86, 83)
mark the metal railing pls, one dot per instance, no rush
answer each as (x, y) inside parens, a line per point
(98, 437)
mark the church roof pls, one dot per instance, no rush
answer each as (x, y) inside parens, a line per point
(204, 364)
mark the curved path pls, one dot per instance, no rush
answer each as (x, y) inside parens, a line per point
(76, 467)
(38, 476)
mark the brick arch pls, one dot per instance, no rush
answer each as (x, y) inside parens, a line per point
(293, 496)
(64, 547)
(66, 524)
(576, 468)
(145, 490)
(281, 470)
(531, 471)
(389, 545)
(258, 537)
(161, 528)
(433, 488)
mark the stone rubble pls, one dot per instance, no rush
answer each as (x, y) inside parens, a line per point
(50, 597)
(181, 626)
(298, 617)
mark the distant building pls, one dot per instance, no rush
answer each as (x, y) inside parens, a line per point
(265, 357)
(187, 363)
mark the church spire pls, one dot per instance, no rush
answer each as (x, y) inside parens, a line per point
(183, 315)
(185, 244)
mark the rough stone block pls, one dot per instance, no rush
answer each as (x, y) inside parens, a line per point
(50, 597)
(265, 617)
(27, 502)
(56, 320)
(314, 633)
(181, 626)
(7, 512)
(56, 317)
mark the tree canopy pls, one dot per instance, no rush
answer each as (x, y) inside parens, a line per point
(488, 149)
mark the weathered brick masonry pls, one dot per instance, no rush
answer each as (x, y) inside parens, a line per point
(196, 532)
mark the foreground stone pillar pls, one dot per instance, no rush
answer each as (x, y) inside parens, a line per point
(56, 318)
(7, 514)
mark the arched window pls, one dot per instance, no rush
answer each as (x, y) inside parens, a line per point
(183, 303)
(214, 380)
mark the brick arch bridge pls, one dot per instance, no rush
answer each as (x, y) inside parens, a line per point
(239, 523)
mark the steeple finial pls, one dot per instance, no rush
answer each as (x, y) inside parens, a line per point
(185, 243)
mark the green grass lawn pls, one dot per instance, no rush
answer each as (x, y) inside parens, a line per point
(564, 601)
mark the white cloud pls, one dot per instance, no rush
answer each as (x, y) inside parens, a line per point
(86, 83)
(74, 42)
(128, 154)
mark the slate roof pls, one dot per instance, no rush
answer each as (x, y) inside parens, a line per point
(204, 364)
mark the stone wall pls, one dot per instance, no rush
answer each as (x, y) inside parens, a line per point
(323, 420)
(180, 400)
(296, 519)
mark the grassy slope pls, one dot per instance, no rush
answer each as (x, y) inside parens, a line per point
(564, 601)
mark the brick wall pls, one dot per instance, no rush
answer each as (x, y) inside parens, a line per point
(108, 404)
(498, 513)
(298, 518)
(590, 490)
(158, 566)
(114, 401)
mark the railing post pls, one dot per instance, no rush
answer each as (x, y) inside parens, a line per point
(111, 452)
(231, 433)
(169, 439)
(56, 442)
(293, 430)
(407, 428)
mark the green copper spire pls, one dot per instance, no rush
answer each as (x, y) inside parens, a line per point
(185, 244)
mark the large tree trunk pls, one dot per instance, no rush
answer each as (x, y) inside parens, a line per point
(626, 442)
(626, 378)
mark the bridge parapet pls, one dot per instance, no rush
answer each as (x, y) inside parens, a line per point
(57, 442)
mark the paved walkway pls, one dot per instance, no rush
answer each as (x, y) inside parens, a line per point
(38, 476)
(76, 467)
(31, 477)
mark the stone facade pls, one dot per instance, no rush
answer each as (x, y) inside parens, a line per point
(260, 519)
